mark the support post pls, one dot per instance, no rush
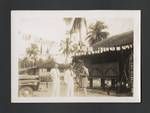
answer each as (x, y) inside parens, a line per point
(91, 82)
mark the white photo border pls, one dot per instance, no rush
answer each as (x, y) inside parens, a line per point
(136, 98)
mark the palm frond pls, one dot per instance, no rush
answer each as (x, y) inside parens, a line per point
(96, 32)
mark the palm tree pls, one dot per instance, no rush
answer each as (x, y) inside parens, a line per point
(68, 20)
(32, 52)
(25, 62)
(96, 32)
(77, 26)
(67, 47)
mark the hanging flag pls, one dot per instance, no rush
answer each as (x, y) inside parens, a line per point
(118, 48)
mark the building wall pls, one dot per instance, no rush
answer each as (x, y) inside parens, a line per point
(104, 70)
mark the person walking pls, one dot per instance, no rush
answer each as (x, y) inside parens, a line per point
(55, 76)
(69, 80)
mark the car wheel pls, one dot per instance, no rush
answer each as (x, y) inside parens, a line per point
(26, 91)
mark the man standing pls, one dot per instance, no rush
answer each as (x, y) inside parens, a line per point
(69, 80)
(55, 76)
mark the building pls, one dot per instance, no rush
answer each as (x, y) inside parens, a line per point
(111, 59)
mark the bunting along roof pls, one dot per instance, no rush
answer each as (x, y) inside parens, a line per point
(118, 42)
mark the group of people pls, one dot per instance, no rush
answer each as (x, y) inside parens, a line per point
(71, 78)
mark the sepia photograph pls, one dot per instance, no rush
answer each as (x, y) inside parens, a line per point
(75, 56)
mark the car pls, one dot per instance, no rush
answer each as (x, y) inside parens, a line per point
(28, 84)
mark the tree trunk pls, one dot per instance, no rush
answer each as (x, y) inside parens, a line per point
(80, 39)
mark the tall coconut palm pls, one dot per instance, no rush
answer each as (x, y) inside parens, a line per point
(67, 47)
(96, 32)
(68, 21)
(77, 26)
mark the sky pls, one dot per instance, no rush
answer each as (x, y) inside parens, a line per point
(50, 26)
